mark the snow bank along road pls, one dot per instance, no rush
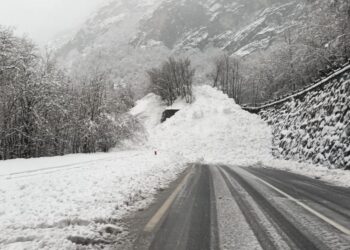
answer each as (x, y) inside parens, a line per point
(221, 207)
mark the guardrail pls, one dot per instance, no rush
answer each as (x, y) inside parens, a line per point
(301, 92)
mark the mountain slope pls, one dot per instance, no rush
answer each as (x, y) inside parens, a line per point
(114, 25)
(239, 26)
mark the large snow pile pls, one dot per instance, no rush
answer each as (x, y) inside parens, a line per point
(75, 198)
(315, 129)
(213, 129)
(216, 130)
(148, 110)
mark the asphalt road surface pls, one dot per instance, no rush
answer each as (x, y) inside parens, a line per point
(221, 207)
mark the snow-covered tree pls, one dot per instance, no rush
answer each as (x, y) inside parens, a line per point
(44, 111)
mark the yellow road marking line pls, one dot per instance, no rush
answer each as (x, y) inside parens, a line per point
(165, 207)
(319, 215)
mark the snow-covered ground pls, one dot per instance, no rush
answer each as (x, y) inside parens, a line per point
(45, 202)
(40, 209)
(26, 167)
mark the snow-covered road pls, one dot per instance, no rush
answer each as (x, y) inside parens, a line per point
(227, 207)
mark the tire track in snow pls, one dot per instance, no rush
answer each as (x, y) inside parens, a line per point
(263, 235)
(292, 234)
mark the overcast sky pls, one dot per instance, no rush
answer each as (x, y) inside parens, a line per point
(43, 19)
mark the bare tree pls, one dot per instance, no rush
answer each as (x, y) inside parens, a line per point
(172, 80)
(226, 77)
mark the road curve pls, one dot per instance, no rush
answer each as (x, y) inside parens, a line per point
(229, 207)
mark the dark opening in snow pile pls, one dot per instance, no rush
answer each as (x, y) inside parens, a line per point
(315, 127)
(168, 113)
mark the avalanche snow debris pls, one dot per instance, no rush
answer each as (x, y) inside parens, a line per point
(216, 130)
(213, 128)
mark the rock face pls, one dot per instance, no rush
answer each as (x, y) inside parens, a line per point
(315, 128)
(237, 26)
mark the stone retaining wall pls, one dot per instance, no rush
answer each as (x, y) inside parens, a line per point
(316, 126)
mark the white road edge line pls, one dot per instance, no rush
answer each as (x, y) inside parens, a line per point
(319, 215)
(165, 207)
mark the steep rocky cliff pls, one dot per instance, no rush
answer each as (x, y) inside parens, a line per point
(238, 26)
